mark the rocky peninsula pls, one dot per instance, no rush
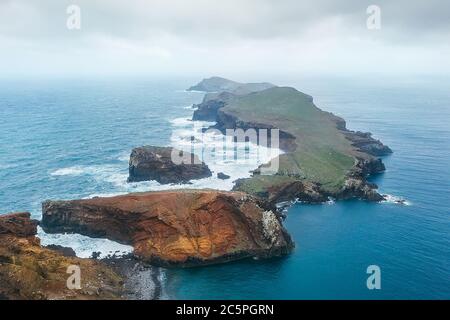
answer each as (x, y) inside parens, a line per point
(322, 157)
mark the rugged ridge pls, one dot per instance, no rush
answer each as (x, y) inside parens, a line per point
(30, 271)
(155, 163)
(177, 228)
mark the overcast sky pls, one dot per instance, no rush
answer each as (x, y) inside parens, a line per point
(224, 37)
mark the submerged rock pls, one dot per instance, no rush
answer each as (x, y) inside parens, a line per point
(157, 163)
(182, 227)
(30, 271)
(223, 176)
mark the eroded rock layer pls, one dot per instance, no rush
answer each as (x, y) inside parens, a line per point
(190, 227)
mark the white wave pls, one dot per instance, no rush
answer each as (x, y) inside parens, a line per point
(194, 91)
(124, 157)
(219, 152)
(180, 122)
(396, 200)
(84, 246)
(70, 171)
(7, 166)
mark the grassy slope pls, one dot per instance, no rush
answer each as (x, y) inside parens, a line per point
(323, 154)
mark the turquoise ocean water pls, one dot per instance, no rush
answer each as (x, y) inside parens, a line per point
(69, 139)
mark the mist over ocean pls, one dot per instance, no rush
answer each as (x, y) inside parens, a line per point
(71, 139)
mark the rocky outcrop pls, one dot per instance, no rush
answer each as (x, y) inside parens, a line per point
(207, 110)
(182, 227)
(18, 224)
(303, 191)
(223, 176)
(30, 271)
(361, 189)
(365, 143)
(163, 164)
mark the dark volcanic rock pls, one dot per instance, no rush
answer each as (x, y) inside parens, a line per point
(156, 163)
(359, 188)
(223, 176)
(367, 167)
(364, 142)
(301, 190)
(187, 228)
(207, 110)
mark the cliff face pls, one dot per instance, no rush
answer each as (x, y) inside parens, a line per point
(30, 271)
(155, 163)
(185, 228)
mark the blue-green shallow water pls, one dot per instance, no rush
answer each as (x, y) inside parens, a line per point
(71, 139)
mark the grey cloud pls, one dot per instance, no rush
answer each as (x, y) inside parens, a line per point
(232, 18)
(180, 35)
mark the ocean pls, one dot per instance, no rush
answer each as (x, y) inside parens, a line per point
(68, 139)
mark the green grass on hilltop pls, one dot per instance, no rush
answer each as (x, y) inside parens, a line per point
(323, 154)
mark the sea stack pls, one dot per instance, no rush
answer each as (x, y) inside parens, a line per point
(157, 163)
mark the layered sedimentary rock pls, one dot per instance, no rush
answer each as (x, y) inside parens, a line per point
(322, 157)
(181, 227)
(30, 271)
(157, 163)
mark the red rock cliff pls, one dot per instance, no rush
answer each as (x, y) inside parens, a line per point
(190, 227)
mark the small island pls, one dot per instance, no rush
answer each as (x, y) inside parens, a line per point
(156, 163)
